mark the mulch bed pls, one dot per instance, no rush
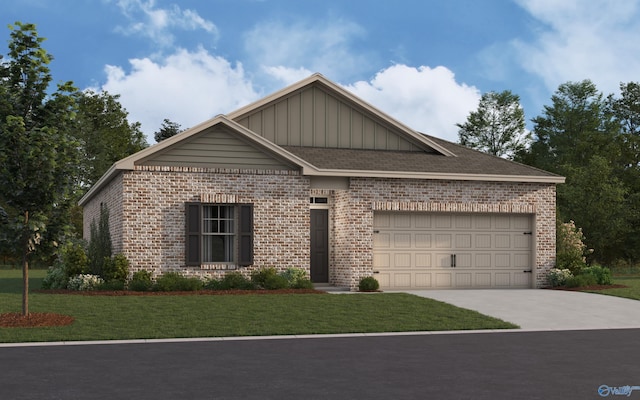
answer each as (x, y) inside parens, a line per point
(34, 320)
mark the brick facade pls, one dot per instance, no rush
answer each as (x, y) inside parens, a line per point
(147, 215)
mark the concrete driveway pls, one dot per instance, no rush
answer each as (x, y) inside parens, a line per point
(543, 309)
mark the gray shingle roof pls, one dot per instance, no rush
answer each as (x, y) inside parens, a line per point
(468, 161)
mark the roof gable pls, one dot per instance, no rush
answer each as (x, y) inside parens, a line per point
(318, 113)
(217, 147)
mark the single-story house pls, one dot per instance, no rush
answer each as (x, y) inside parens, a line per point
(314, 177)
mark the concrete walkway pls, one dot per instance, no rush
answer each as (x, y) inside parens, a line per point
(543, 309)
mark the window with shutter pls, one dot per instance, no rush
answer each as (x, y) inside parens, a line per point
(219, 234)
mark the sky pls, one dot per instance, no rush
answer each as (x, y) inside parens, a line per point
(425, 63)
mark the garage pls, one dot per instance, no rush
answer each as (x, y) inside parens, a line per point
(452, 250)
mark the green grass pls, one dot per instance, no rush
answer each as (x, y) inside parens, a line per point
(630, 292)
(146, 317)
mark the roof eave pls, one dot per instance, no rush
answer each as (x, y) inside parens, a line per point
(434, 176)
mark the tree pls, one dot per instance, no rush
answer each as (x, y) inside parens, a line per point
(167, 130)
(36, 152)
(576, 137)
(497, 127)
(105, 135)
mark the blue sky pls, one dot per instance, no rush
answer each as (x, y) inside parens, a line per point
(425, 63)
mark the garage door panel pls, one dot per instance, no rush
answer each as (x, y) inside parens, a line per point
(402, 260)
(417, 250)
(382, 240)
(463, 279)
(483, 279)
(422, 240)
(423, 280)
(463, 241)
(423, 260)
(444, 241)
(443, 280)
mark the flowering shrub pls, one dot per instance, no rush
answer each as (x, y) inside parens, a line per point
(558, 277)
(571, 251)
(84, 282)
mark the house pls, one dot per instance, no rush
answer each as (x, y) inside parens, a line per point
(314, 177)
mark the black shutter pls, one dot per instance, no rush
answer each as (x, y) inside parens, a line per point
(245, 234)
(192, 249)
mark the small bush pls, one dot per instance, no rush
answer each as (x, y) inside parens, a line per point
(570, 248)
(297, 278)
(56, 278)
(302, 284)
(174, 281)
(275, 282)
(115, 268)
(235, 280)
(74, 258)
(141, 281)
(558, 277)
(84, 282)
(601, 274)
(111, 285)
(581, 281)
(368, 284)
(260, 276)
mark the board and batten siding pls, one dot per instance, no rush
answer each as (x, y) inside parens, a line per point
(312, 117)
(216, 148)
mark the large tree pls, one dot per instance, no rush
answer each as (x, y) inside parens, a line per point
(104, 133)
(497, 127)
(37, 154)
(577, 137)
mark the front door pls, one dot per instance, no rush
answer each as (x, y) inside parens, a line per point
(320, 246)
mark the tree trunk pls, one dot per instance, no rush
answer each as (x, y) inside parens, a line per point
(25, 271)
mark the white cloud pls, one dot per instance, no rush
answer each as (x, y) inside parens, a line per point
(583, 39)
(156, 23)
(426, 99)
(284, 50)
(187, 87)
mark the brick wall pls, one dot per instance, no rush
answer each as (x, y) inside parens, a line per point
(154, 215)
(353, 228)
(147, 215)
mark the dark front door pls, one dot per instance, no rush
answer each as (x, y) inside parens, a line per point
(320, 246)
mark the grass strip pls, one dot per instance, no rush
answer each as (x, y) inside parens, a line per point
(155, 317)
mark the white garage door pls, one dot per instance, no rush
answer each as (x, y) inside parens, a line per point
(443, 250)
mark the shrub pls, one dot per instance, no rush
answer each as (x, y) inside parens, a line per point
(74, 258)
(111, 285)
(558, 277)
(275, 282)
(141, 281)
(100, 242)
(368, 284)
(84, 282)
(302, 284)
(56, 278)
(601, 274)
(571, 251)
(260, 276)
(235, 280)
(297, 278)
(174, 281)
(581, 281)
(116, 268)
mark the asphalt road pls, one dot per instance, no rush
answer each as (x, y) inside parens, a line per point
(514, 365)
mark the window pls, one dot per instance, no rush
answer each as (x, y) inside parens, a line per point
(219, 233)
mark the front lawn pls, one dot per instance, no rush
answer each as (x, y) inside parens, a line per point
(146, 317)
(632, 291)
